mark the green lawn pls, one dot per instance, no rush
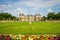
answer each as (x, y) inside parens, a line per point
(26, 28)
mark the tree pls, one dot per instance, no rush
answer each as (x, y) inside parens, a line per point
(44, 18)
(13, 18)
(57, 16)
(6, 16)
(51, 16)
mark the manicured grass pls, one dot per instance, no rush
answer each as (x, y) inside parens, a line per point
(26, 28)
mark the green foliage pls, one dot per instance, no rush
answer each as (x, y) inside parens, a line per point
(43, 18)
(58, 15)
(53, 16)
(6, 16)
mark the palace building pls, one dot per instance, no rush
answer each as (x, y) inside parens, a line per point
(23, 17)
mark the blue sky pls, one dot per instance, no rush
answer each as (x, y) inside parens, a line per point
(15, 7)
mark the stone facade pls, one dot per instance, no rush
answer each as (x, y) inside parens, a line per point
(35, 17)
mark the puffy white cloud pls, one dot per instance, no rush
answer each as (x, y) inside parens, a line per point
(50, 10)
(30, 5)
(35, 4)
(19, 10)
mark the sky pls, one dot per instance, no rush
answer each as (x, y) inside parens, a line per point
(42, 7)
